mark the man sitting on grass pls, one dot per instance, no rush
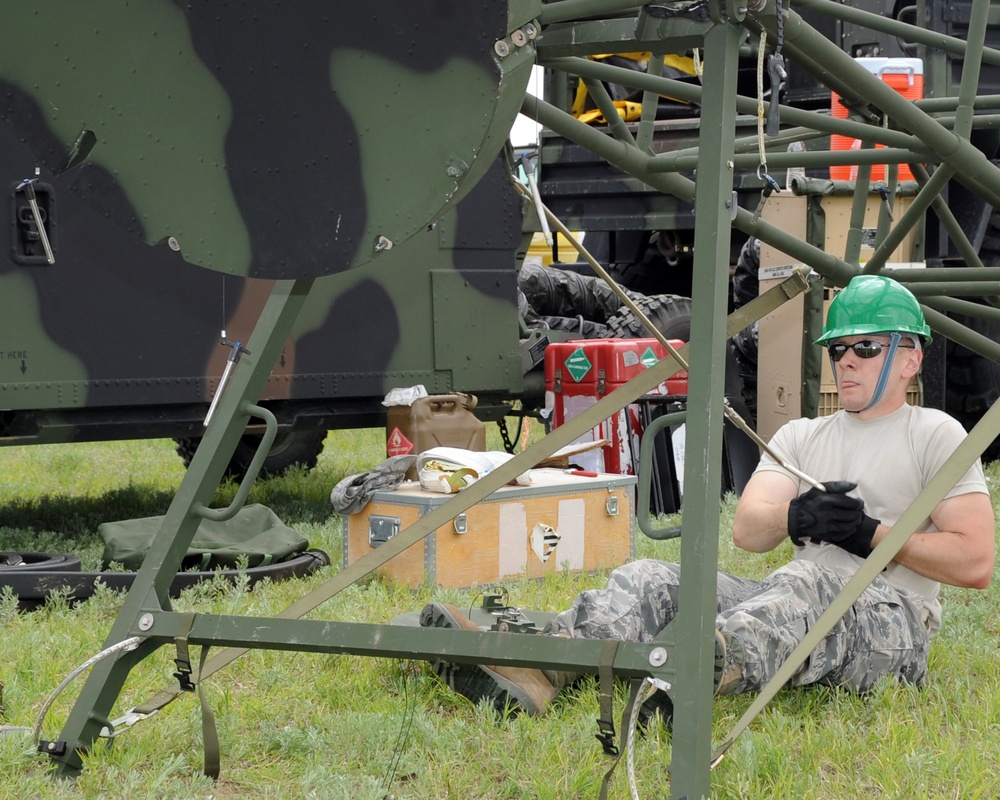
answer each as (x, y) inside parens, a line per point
(876, 454)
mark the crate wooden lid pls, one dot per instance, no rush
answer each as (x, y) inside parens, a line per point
(543, 482)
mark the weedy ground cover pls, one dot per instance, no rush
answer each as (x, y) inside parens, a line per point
(296, 725)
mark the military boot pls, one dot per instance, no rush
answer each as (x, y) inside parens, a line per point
(559, 678)
(510, 689)
(729, 657)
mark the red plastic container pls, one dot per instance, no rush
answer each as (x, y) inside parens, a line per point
(906, 76)
(580, 372)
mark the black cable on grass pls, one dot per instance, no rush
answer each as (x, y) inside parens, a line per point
(502, 592)
(409, 702)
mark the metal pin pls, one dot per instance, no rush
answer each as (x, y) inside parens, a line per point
(740, 423)
(536, 196)
(770, 187)
(29, 192)
(234, 357)
(883, 192)
(772, 184)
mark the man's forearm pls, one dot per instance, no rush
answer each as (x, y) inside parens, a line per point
(760, 526)
(943, 556)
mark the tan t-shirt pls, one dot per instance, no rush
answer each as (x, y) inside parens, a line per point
(891, 458)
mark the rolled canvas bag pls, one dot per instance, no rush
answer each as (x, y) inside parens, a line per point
(255, 533)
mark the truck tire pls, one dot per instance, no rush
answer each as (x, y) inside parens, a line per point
(669, 313)
(290, 448)
(33, 561)
(556, 292)
(583, 328)
(746, 286)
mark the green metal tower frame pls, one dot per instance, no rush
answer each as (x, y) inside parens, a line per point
(570, 30)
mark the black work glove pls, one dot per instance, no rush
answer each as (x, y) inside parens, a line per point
(830, 516)
(860, 543)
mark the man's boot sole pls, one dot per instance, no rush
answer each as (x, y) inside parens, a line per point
(478, 682)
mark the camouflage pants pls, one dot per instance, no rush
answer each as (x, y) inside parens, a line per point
(881, 634)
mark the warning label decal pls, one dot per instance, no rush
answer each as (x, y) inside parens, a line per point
(397, 444)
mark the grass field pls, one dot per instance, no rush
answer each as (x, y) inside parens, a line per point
(310, 726)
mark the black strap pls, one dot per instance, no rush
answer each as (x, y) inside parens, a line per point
(183, 658)
(209, 732)
(606, 724)
(633, 698)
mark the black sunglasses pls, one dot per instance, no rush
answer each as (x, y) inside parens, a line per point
(864, 349)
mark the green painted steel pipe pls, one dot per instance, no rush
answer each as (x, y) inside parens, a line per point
(956, 274)
(859, 86)
(698, 600)
(816, 158)
(958, 332)
(566, 10)
(256, 464)
(941, 105)
(902, 30)
(956, 305)
(971, 67)
(776, 145)
(615, 123)
(969, 288)
(744, 105)
(632, 659)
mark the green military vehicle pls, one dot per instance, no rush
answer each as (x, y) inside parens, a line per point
(116, 339)
(106, 337)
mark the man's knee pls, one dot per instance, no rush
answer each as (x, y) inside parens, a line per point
(644, 573)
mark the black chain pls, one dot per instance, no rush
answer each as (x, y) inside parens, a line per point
(777, 74)
(508, 445)
(780, 24)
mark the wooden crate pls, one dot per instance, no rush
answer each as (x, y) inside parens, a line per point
(560, 522)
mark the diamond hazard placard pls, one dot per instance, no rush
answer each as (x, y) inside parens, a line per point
(397, 444)
(577, 364)
(649, 358)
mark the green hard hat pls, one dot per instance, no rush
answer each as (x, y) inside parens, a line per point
(874, 304)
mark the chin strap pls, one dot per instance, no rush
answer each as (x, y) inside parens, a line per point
(883, 378)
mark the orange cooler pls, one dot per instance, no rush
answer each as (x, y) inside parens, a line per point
(906, 76)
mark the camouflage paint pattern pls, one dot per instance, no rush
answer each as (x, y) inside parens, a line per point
(763, 621)
(262, 143)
